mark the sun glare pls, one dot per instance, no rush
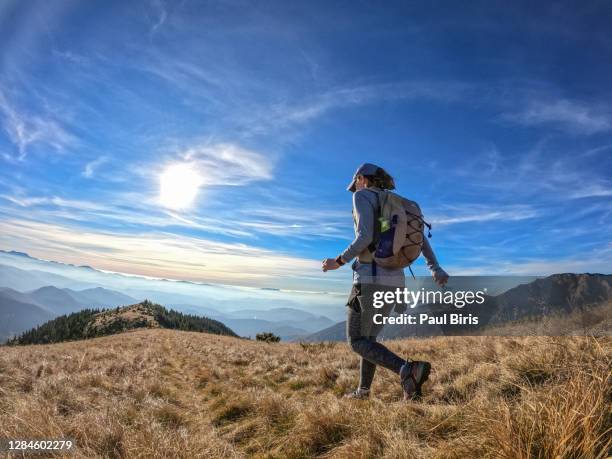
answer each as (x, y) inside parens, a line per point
(178, 186)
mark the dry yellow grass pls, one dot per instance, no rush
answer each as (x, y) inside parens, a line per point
(130, 313)
(163, 393)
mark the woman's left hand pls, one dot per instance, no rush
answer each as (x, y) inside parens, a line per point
(329, 264)
(440, 276)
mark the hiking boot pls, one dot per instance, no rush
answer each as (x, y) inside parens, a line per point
(412, 377)
(359, 394)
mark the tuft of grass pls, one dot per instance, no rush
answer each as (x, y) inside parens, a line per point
(326, 377)
(318, 348)
(170, 417)
(319, 430)
(232, 411)
(299, 384)
(111, 444)
(276, 410)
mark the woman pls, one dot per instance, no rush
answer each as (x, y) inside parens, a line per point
(368, 278)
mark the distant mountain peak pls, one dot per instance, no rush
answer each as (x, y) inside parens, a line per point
(17, 254)
(51, 288)
(132, 316)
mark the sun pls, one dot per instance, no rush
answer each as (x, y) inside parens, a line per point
(178, 186)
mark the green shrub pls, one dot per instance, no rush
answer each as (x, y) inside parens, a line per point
(268, 337)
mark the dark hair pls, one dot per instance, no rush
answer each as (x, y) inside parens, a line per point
(381, 180)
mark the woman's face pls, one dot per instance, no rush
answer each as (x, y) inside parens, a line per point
(361, 183)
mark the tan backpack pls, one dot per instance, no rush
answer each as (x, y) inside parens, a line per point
(399, 231)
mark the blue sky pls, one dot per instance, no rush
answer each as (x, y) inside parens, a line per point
(495, 117)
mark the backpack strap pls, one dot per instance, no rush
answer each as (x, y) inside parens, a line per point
(376, 237)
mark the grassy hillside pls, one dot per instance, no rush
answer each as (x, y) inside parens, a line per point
(92, 323)
(164, 393)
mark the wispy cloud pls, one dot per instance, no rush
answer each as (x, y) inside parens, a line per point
(589, 190)
(162, 15)
(70, 56)
(228, 164)
(25, 130)
(597, 150)
(574, 116)
(299, 112)
(542, 171)
(28, 201)
(598, 260)
(481, 213)
(91, 166)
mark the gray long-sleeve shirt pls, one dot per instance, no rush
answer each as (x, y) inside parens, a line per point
(365, 209)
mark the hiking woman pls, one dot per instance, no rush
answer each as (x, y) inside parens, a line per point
(368, 278)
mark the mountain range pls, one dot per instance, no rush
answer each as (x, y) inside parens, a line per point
(43, 294)
(20, 311)
(33, 291)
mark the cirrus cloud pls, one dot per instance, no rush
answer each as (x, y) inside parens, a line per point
(574, 116)
(229, 164)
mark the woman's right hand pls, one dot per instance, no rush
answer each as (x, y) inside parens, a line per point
(329, 264)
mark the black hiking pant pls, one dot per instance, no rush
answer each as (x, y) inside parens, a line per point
(361, 332)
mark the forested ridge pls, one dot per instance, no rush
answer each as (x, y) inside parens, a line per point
(92, 323)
